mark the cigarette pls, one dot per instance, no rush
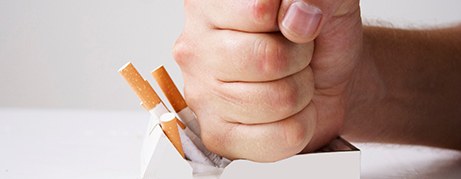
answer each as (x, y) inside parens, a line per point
(176, 99)
(191, 151)
(169, 123)
(170, 127)
(142, 88)
(186, 137)
(183, 111)
(149, 98)
(214, 158)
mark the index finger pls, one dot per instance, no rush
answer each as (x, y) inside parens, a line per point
(241, 15)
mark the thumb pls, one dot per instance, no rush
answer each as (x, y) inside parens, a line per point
(300, 21)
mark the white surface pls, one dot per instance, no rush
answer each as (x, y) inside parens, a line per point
(45, 144)
(64, 53)
(49, 144)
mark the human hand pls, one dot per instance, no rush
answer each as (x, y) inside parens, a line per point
(259, 87)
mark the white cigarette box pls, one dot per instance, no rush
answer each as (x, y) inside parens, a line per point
(160, 160)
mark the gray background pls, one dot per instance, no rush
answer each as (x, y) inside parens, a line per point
(65, 53)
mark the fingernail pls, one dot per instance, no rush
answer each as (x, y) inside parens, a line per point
(302, 19)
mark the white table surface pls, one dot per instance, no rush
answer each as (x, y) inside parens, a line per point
(71, 144)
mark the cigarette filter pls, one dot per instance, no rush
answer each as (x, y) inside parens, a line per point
(191, 151)
(170, 127)
(142, 88)
(169, 89)
(175, 98)
(183, 111)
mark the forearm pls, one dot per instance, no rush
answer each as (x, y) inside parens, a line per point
(407, 88)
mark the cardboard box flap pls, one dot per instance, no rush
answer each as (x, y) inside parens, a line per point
(316, 165)
(325, 164)
(159, 158)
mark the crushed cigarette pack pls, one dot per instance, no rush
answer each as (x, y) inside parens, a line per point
(172, 149)
(159, 159)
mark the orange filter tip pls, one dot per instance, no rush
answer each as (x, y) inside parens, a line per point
(142, 88)
(170, 127)
(169, 88)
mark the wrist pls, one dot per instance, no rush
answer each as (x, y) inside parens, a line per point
(366, 90)
(405, 84)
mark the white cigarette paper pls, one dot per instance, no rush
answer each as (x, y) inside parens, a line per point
(191, 150)
(184, 113)
(190, 119)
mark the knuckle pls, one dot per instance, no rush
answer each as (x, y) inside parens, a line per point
(193, 95)
(295, 135)
(270, 57)
(264, 12)
(189, 94)
(190, 3)
(182, 51)
(214, 140)
(211, 142)
(285, 98)
(289, 140)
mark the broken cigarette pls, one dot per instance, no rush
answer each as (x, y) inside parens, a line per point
(190, 149)
(183, 111)
(187, 143)
(149, 99)
(170, 127)
(175, 98)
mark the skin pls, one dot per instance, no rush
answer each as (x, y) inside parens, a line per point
(263, 92)
(407, 89)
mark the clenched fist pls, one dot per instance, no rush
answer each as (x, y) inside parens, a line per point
(267, 79)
